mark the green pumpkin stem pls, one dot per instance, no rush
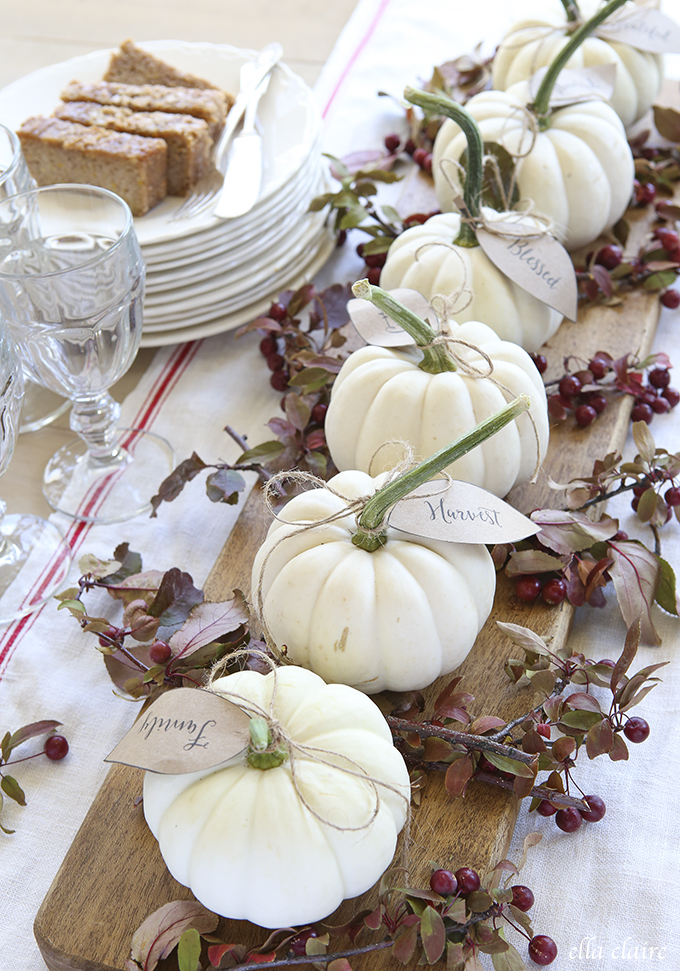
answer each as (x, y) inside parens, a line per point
(541, 104)
(436, 358)
(261, 755)
(572, 11)
(472, 194)
(371, 533)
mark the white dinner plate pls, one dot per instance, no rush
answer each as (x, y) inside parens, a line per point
(229, 321)
(288, 115)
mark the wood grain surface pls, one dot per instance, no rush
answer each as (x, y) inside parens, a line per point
(113, 875)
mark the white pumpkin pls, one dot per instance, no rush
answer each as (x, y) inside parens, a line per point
(394, 619)
(425, 259)
(381, 396)
(578, 172)
(242, 838)
(534, 42)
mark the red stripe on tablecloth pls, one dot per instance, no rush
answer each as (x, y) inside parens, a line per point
(355, 54)
(164, 384)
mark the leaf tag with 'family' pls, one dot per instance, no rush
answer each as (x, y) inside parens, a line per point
(185, 730)
(574, 86)
(645, 28)
(535, 261)
(377, 327)
(459, 512)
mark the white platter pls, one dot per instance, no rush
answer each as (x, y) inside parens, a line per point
(288, 115)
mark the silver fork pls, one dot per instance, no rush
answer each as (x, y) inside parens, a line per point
(207, 188)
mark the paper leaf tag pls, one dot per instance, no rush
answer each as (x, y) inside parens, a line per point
(538, 264)
(459, 512)
(376, 327)
(185, 730)
(573, 86)
(646, 28)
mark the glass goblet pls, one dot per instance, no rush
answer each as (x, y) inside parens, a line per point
(40, 405)
(71, 290)
(34, 558)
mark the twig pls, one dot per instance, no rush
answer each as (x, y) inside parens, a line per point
(478, 742)
(540, 792)
(318, 958)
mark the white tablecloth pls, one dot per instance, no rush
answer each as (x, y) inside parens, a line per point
(602, 892)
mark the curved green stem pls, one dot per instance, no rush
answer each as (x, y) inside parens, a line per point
(435, 357)
(472, 193)
(541, 105)
(377, 507)
(571, 10)
(262, 754)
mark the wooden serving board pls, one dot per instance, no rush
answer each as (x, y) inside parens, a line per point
(113, 876)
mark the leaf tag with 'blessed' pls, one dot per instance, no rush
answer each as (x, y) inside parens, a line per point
(185, 730)
(536, 262)
(459, 512)
(644, 28)
(573, 86)
(377, 327)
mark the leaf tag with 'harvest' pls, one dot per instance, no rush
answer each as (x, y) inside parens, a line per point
(538, 264)
(377, 327)
(459, 512)
(585, 84)
(645, 28)
(185, 730)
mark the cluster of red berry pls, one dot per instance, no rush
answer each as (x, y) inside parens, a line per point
(542, 949)
(269, 347)
(421, 154)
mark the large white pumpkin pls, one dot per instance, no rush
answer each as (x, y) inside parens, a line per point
(394, 619)
(381, 396)
(241, 837)
(534, 42)
(424, 258)
(578, 172)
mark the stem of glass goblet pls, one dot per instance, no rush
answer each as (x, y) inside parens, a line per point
(95, 420)
(9, 551)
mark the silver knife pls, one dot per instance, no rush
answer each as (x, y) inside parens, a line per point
(254, 71)
(243, 176)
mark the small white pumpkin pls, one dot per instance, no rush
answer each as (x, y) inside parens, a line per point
(393, 619)
(425, 258)
(534, 42)
(242, 838)
(578, 172)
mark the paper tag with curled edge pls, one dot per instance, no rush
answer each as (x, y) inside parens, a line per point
(459, 512)
(185, 730)
(573, 86)
(645, 28)
(377, 327)
(538, 264)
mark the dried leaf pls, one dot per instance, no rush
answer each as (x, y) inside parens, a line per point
(644, 441)
(162, 930)
(508, 960)
(261, 453)
(11, 788)
(569, 532)
(28, 731)
(532, 561)
(172, 486)
(458, 775)
(635, 572)
(175, 598)
(405, 943)
(207, 622)
(523, 637)
(433, 934)
(667, 122)
(619, 750)
(486, 723)
(507, 764)
(224, 485)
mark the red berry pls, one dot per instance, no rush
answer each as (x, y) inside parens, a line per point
(56, 747)
(642, 412)
(373, 275)
(541, 362)
(443, 882)
(610, 257)
(568, 819)
(546, 808)
(596, 811)
(671, 395)
(160, 652)
(646, 397)
(542, 949)
(427, 163)
(597, 401)
(660, 406)
(598, 366)
(670, 299)
(416, 218)
(410, 146)
(585, 415)
(278, 311)
(569, 386)
(392, 142)
(522, 897)
(275, 362)
(668, 238)
(527, 588)
(554, 591)
(585, 376)
(319, 413)
(279, 380)
(557, 407)
(375, 259)
(636, 730)
(360, 249)
(672, 496)
(644, 192)
(634, 503)
(659, 377)
(639, 490)
(298, 944)
(268, 346)
(107, 636)
(419, 156)
(468, 880)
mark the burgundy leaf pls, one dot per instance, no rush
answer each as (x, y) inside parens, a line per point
(599, 739)
(635, 572)
(568, 532)
(603, 279)
(175, 598)
(161, 931)
(172, 486)
(316, 439)
(433, 934)
(405, 944)
(207, 622)
(447, 692)
(532, 561)
(224, 485)
(486, 723)
(28, 731)
(458, 775)
(619, 749)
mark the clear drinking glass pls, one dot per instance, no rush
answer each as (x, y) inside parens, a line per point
(71, 289)
(34, 558)
(40, 405)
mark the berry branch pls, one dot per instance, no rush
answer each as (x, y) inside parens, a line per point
(55, 749)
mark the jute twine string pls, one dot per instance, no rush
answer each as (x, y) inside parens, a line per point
(298, 750)
(463, 291)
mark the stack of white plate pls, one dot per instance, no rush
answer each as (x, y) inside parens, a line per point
(206, 275)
